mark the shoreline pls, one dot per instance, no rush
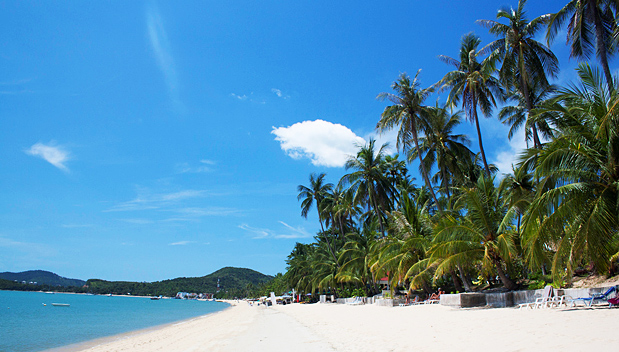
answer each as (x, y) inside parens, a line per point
(89, 344)
(341, 327)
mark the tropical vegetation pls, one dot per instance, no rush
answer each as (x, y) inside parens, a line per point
(465, 227)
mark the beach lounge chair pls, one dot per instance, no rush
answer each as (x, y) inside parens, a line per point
(541, 302)
(588, 301)
(356, 301)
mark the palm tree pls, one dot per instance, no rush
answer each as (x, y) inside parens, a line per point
(408, 114)
(316, 193)
(443, 148)
(299, 270)
(472, 81)
(577, 213)
(484, 233)
(355, 256)
(525, 60)
(369, 183)
(518, 115)
(411, 235)
(589, 21)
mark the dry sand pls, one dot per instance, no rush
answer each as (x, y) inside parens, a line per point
(332, 327)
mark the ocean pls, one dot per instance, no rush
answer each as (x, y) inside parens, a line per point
(29, 322)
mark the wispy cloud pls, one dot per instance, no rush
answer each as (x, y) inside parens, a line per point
(279, 93)
(203, 166)
(76, 226)
(508, 155)
(15, 87)
(181, 243)
(239, 97)
(289, 232)
(29, 248)
(145, 200)
(247, 98)
(137, 221)
(52, 153)
(162, 49)
(324, 143)
(207, 211)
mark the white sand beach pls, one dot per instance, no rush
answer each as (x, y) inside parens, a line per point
(333, 327)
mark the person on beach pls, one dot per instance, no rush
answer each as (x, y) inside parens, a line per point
(437, 295)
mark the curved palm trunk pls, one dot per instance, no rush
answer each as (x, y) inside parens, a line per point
(481, 145)
(378, 214)
(601, 43)
(456, 281)
(466, 281)
(327, 239)
(423, 169)
(507, 282)
(529, 106)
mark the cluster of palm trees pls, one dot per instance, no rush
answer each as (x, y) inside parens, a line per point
(557, 212)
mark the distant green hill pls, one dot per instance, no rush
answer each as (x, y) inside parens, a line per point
(41, 277)
(232, 282)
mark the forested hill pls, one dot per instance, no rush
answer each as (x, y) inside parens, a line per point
(232, 281)
(41, 277)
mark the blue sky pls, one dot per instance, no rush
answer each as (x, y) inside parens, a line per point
(151, 140)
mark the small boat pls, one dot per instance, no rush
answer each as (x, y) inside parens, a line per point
(155, 298)
(61, 304)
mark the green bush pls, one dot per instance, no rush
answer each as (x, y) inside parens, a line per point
(536, 284)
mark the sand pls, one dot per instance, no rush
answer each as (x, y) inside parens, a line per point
(333, 327)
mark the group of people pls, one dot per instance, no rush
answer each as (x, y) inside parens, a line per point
(433, 296)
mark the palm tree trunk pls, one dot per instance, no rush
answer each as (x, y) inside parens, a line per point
(327, 240)
(507, 282)
(424, 171)
(481, 144)
(466, 281)
(456, 281)
(525, 93)
(601, 42)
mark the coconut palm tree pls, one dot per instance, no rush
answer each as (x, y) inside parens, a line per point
(408, 114)
(473, 83)
(316, 193)
(443, 148)
(355, 257)
(525, 61)
(575, 209)
(368, 182)
(517, 116)
(484, 234)
(411, 234)
(590, 26)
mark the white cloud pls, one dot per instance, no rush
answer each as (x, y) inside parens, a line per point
(208, 211)
(183, 168)
(239, 97)
(508, 156)
(137, 221)
(181, 243)
(247, 98)
(145, 201)
(76, 226)
(292, 232)
(323, 142)
(52, 153)
(161, 47)
(279, 93)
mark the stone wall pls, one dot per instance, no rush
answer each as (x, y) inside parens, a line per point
(500, 299)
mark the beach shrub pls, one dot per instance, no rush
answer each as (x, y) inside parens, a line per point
(536, 284)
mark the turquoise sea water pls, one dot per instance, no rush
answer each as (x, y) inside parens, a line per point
(27, 325)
